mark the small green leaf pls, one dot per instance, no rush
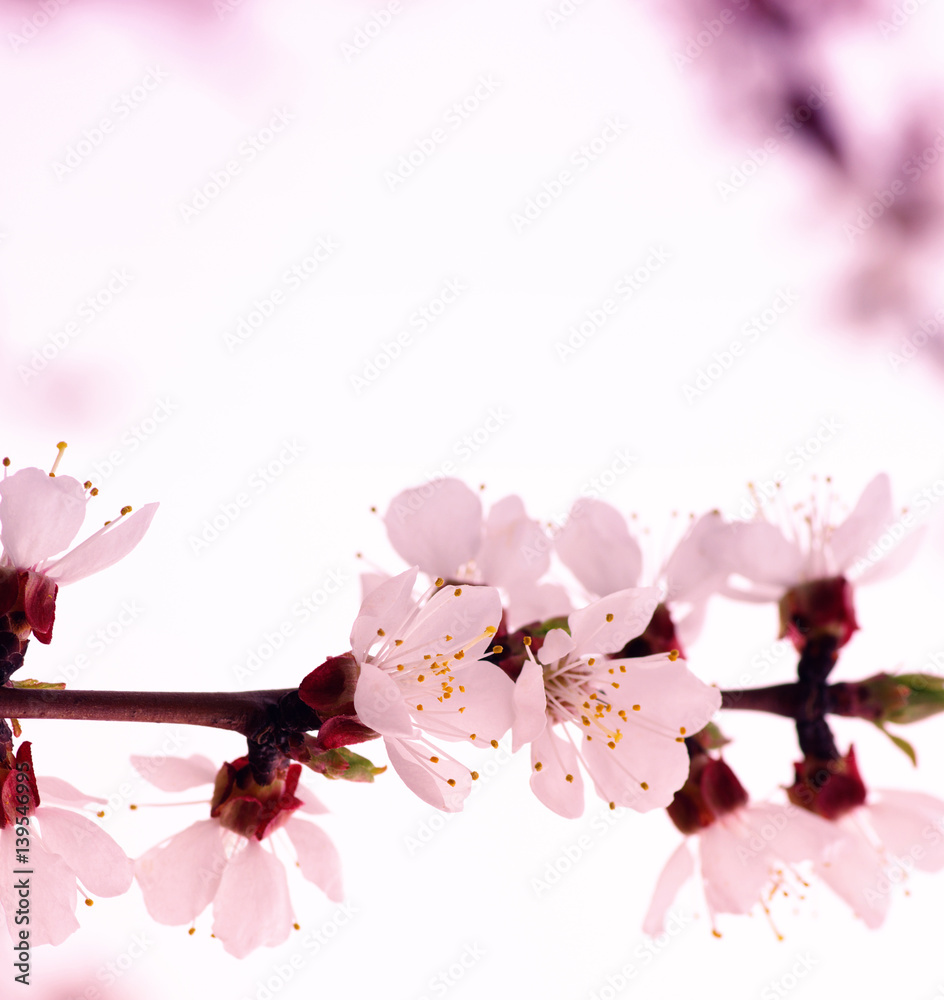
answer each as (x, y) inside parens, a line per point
(902, 745)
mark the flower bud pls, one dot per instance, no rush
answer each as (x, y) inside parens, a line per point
(817, 609)
(251, 809)
(712, 790)
(829, 788)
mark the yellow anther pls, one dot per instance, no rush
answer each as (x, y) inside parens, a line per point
(636, 708)
(440, 581)
(538, 766)
(644, 786)
(421, 678)
(616, 684)
(490, 629)
(679, 739)
(568, 777)
(381, 632)
(398, 642)
(472, 736)
(132, 806)
(612, 805)
(93, 491)
(6, 463)
(125, 510)
(475, 775)
(192, 931)
(87, 484)
(527, 640)
(609, 617)
(55, 465)
(435, 760)
(457, 592)
(622, 668)
(448, 638)
(297, 927)
(591, 661)
(494, 744)
(100, 814)
(674, 655)
(611, 744)
(459, 655)
(89, 902)
(400, 666)
(461, 689)
(419, 708)
(682, 730)
(497, 649)
(451, 782)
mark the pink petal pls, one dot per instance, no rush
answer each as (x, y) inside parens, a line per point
(536, 603)
(910, 825)
(429, 780)
(700, 560)
(98, 862)
(252, 908)
(734, 874)
(56, 790)
(631, 611)
(437, 526)
(460, 612)
(370, 582)
(894, 560)
(175, 774)
(869, 518)
(310, 804)
(515, 550)
(789, 833)
(530, 706)
(760, 552)
(487, 703)
(677, 871)
(39, 515)
(854, 872)
(596, 546)
(380, 704)
(557, 644)
(104, 548)
(52, 891)
(386, 606)
(557, 758)
(318, 858)
(181, 877)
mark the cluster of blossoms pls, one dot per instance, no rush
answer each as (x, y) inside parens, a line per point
(592, 676)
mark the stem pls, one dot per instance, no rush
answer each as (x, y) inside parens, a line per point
(246, 712)
(780, 699)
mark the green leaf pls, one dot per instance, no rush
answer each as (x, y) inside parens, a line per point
(337, 763)
(902, 745)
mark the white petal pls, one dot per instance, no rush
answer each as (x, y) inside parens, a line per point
(515, 550)
(677, 871)
(596, 546)
(557, 644)
(56, 790)
(558, 759)
(175, 774)
(761, 553)
(100, 864)
(318, 858)
(630, 612)
(39, 515)
(252, 908)
(530, 706)
(427, 779)
(380, 704)
(385, 607)
(873, 512)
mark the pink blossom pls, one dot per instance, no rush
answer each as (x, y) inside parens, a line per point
(40, 515)
(595, 544)
(419, 676)
(741, 856)
(624, 720)
(773, 560)
(440, 528)
(238, 872)
(67, 852)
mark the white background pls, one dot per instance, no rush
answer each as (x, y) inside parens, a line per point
(159, 402)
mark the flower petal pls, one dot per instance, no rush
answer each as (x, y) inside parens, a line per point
(515, 550)
(380, 704)
(427, 778)
(318, 858)
(437, 526)
(53, 892)
(180, 877)
(386, 605)
(761, 553)
(910, 825)
(100, 864)
(104, 548)
(487, 703)
(57, 790)
(868, 520)
(557, 644)
(530, 703)
(677, 871)
(39, 515)
(854, 872)
(175, 774)
(252, 908)
(596, 546)
(699, 562)
(549, 782)
(629, 613)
